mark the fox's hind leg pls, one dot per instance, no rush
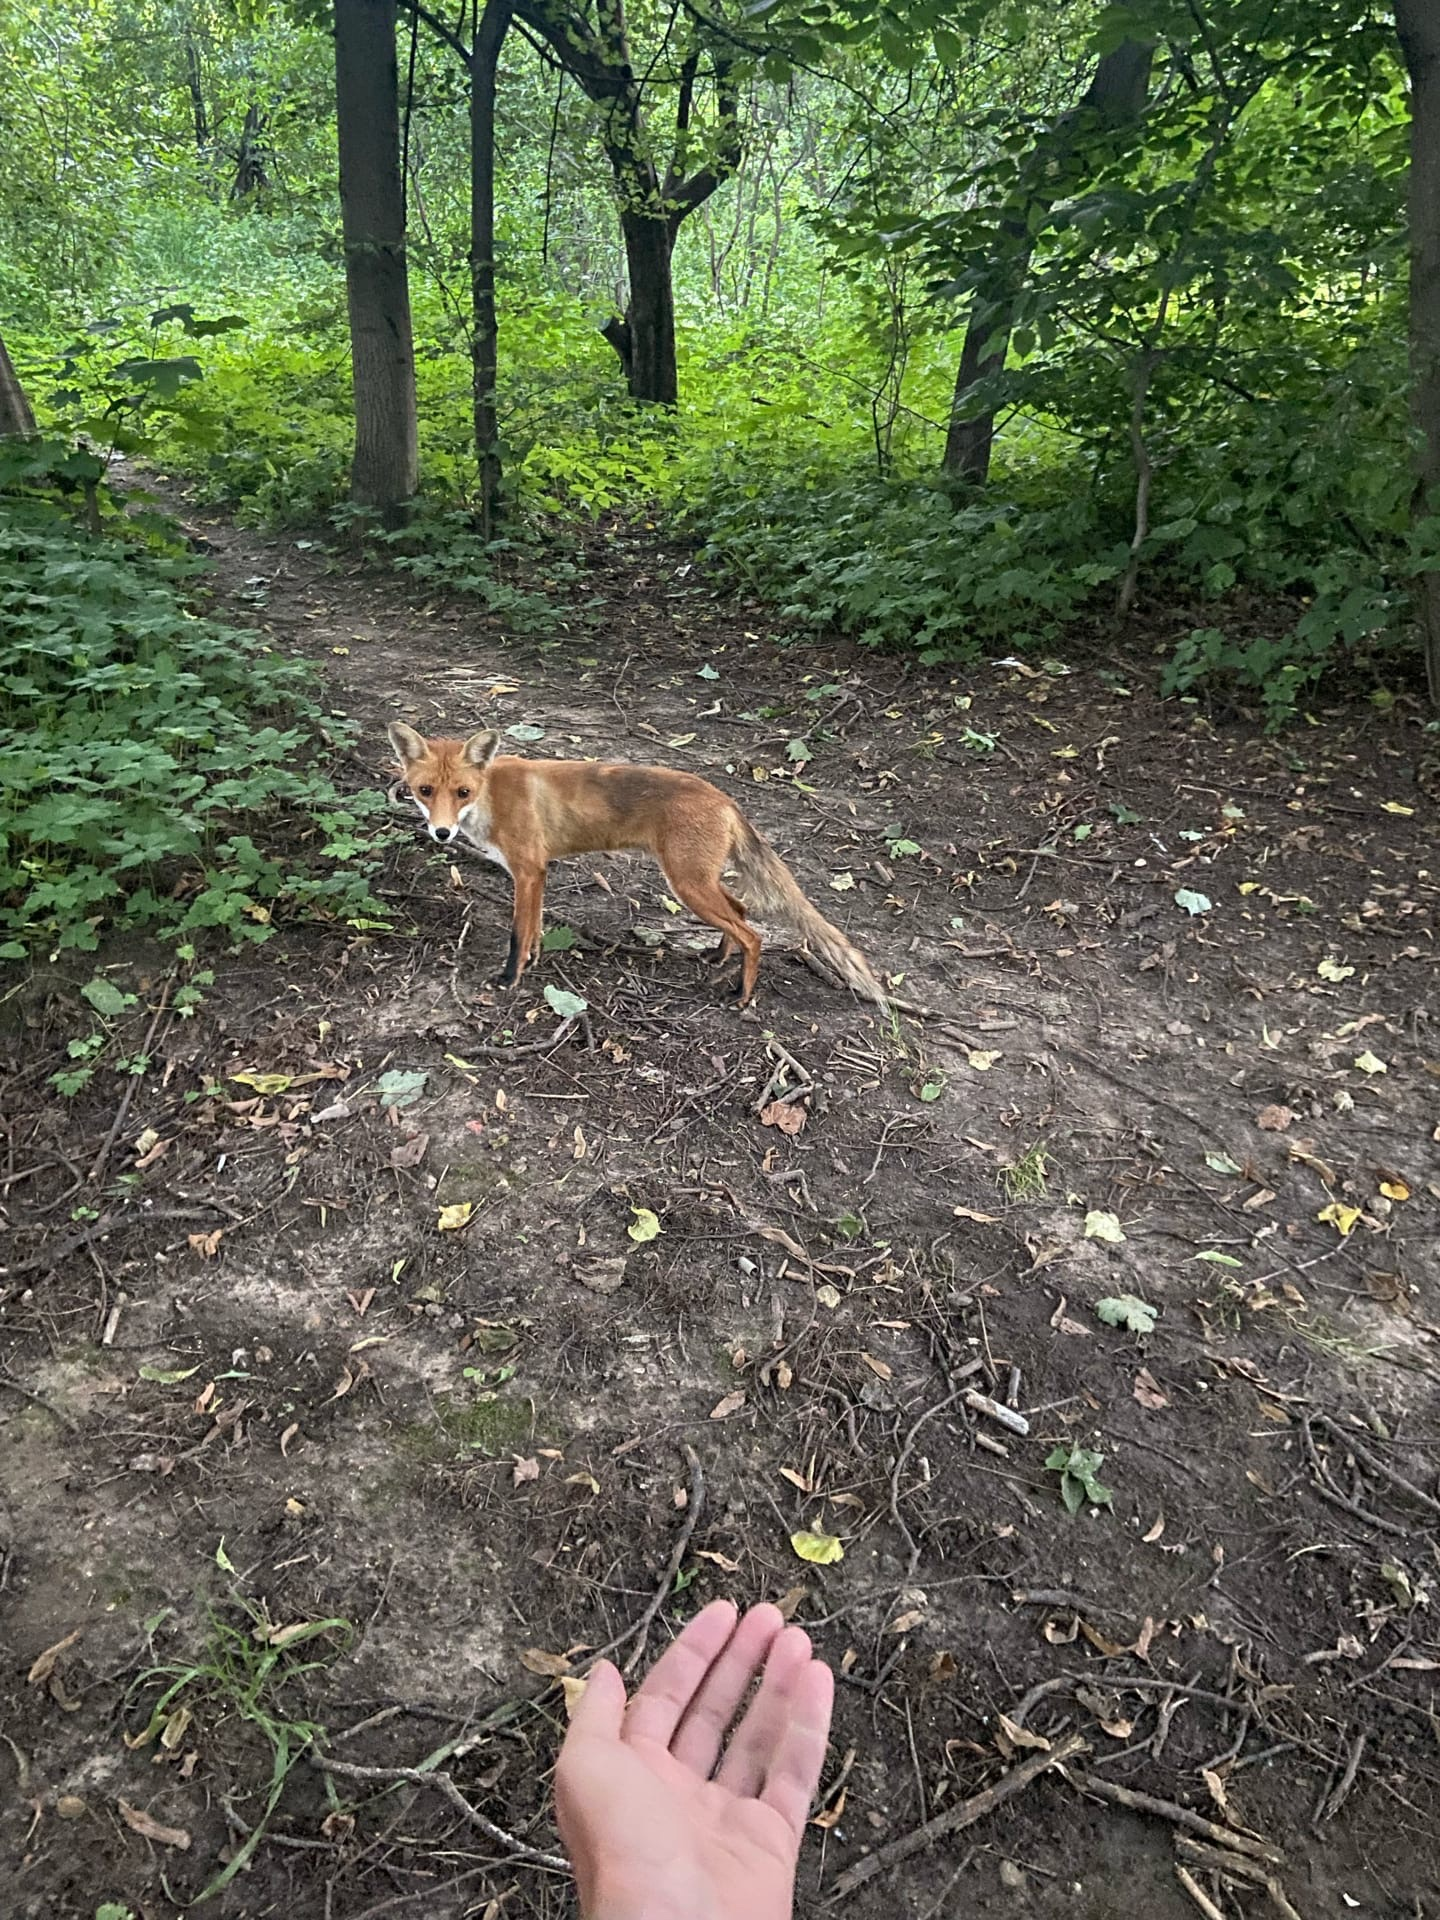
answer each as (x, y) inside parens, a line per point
(718, 907)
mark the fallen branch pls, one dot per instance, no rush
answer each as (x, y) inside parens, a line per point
(1198, 1894)
(1176, 1815)
(417, 1777)
(1374, 1462)
(955, 1819)
(1235, 1866)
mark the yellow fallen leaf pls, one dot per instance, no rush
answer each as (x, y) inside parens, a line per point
(264, 1082)
(1342, 1218)
(453, 1218)
(981, 1059)
(1394, 806)
(645, 1226)
(820, 1549)
(1367, 1063)
(1395, 1189)
(574, 1693)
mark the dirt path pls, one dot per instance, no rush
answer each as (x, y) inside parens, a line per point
(265, 1390)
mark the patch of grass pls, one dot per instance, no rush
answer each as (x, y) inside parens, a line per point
(1026, 1178)
(491, 1424)
(241, 1673)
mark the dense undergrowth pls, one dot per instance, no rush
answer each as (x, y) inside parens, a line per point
(163, 772)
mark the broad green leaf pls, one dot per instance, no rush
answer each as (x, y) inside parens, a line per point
(1124, 1310)
(820, 1549)
(569, 1006)
(645, 1226)
(1100, 1225)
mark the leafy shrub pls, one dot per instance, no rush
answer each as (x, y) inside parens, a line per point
(151, 755)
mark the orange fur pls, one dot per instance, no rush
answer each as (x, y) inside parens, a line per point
(526, 813)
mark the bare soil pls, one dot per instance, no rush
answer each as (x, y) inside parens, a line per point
(251, 1382)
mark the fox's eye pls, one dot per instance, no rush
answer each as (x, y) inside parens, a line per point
(462, 793)
(425, 792)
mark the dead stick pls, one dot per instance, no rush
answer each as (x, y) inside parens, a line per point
(102, 1158)
(1177, 1816)
(640, 1632)
(1375, 1463)
(1198, 1894)
(417, 1777)
(956, 1819)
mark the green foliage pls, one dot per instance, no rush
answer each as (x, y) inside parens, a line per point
(1077, 1467)
(162, 770)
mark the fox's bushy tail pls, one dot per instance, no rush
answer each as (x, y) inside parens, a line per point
(772, 891)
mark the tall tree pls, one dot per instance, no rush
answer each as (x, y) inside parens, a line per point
(489, 38)
(1418, 23)
(17, 420)
(653, 201)
(386, 467)
(1115, 96)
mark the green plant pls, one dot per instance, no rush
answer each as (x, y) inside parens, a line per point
(1025, 1178)
(1077, 1468)
(241, 1674)
(162, 771)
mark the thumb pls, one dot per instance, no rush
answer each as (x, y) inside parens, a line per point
(601, 1707)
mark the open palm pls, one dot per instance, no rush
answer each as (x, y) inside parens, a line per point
(661, 1816)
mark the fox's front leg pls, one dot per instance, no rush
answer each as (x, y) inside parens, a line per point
(525, 924)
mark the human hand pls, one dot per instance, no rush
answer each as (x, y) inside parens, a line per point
(659, 1824)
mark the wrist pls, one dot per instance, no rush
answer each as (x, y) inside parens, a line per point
(618, 1898)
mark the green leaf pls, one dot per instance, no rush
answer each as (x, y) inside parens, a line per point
(525, 732)
(706, 673)
(559, 940)
(569, 1006)
(1193, 903)
(1100, 1225)
(170, 1379)
(106, 998)
(1124, 1310)
(1221, 1163)
(400, 1089)
(849, 1226)
(1219, 1259)
(222, 1558)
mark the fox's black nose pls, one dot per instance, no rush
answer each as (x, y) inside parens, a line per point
(443, 834)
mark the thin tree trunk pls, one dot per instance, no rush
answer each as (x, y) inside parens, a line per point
(17, 420)
(195, 82)
(386, 467)
(1115, 95)
(649, 325)
(489, 38)
(1418, 23)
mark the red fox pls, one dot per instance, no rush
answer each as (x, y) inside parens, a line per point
(523, 814)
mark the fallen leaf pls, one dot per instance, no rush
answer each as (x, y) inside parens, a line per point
(732, 1403)
(827, 1296)
(1157, 1528)
(796, 1479)
(44, 1663)
(583, 1480)
(980, 1219)
(1274, 1119)
(907, 1622)
(452, 1218)
(1013, 1736)
(787, 1115)
(1394, 806)
(982, 1059)
(788, 1603)
(1215, 1786)
(725, 1564)
(879, 1367)
(1124, 1310)
(943, 1666)
(141, 1822)
(820, 1549)
(1395, 1188)
(170, 1378)
(1331, 969)
(1103, 1226)
(1192, 902)
(645, 1226)
(207, 1245)
(574, 1693)
(601, 1276)
(842, 882)
(1342, 1218)
(525, 1470)
(1147, 1390)
(550, 1666)
(832, 1815)
(410, 1152)
(1368, 1063)
(268, 1083)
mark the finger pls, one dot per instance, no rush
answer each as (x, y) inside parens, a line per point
(756, 1741)
(600, 1710)
(794, 1770)
(677, 1675)
(701, 1732)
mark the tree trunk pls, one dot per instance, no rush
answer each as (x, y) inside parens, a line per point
(489, 38)
(1115, 95)
(386, 468)
(1418, 23)
(195, 82)
(17, 421)
(648, 352)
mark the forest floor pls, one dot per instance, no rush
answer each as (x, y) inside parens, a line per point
(283, 1452)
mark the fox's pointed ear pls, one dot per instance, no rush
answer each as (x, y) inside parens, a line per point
(481, 748)
(408, 744)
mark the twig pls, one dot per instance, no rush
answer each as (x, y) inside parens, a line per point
(102, 1158)
(1177, 1816)
(1321, 1482)
(640, 1632)
(1331, 1804)
(1375, 1463)
(785, 1063)
(105, 1224)
(1198, 1894)
(496, 1050)
(955, 1819)
(906, 1448)
(416, 1777)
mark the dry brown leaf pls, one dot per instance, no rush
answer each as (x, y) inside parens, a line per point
(1147, 1390)
(44, 1663)
(550, 1666)
(980, 1219)
(410, 1152)
(574, 1693)
(1101, 1642)
(1155, 1532)
(786, 1115)
(1013, 1737)
(601, 1276)
(287, 1436)
(142, 1823)
(796, 1479)
(1215, 1786)
(525, 1470)
(878, 1366)
(907, 1621)
(832, 1815)
(790, 1600)
(943, 1666)
(207, 1245)
(732, 1403)
(1274, 1119)
(725, 1564)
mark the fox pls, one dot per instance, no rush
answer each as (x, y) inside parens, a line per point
(522, 814)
